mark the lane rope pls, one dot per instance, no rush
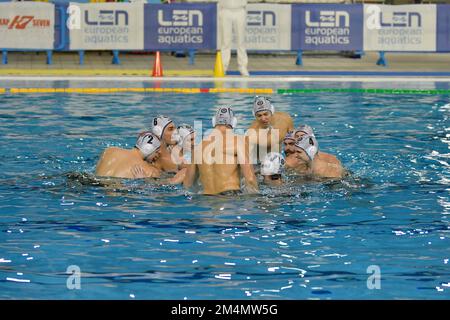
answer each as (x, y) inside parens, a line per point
(142, 90)
(256, 91)
(360, 90)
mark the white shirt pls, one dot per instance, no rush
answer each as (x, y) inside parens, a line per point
(232, 4)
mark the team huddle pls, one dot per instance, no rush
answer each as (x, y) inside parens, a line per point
(224, 162)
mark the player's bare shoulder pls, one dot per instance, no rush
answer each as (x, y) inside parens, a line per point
(255, 125)
(282, 120)
(329, 158)
(111, 152)
(281, 115)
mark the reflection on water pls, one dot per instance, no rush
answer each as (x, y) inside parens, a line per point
(304, 240)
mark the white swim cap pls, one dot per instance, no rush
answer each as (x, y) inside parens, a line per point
(309, 144)
(306, 129)
(159, 124)
(183, 131)
(262, 104)
(148, 143)
(290, 135)
(273, 163)
(224, 115)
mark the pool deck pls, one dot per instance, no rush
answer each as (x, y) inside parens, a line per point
(416, 65)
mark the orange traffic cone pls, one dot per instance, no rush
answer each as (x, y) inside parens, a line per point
(157, 66)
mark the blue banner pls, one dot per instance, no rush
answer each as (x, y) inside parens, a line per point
(61, 41)
(180, 26)
(443, 27)
(327, 27)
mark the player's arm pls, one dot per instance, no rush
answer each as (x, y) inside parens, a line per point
(290, 123)
(246, 166)
(179, 177)
(142, 172)
(189, 177)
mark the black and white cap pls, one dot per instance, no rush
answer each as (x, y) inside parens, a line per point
(224, 116)
(273, 163)
(160, 124)
(262, 104)
(309, 144)
(148, 143)
(183, 132)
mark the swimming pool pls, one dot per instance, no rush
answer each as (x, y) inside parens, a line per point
(141, 241)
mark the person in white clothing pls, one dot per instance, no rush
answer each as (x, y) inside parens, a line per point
(233, 14)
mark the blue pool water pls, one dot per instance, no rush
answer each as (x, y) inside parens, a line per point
(139, 241)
